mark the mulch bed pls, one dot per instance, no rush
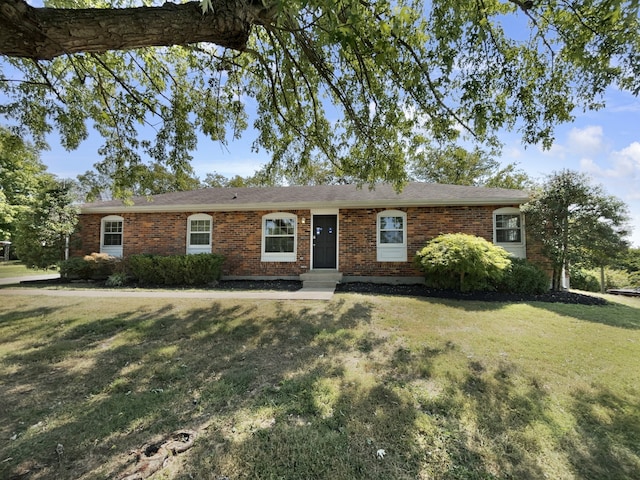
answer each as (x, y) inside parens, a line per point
(404, 290)
(422, 291)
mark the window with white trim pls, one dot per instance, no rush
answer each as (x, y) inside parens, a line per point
(392, 236)
(111, 235)
(508, 230)
(199, 233)
(279, 237)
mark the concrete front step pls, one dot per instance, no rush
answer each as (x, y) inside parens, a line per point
(321, 279)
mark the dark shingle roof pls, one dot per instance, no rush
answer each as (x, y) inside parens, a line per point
(319, 196)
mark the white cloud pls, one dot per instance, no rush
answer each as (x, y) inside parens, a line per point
(624, 164)
(588, 140)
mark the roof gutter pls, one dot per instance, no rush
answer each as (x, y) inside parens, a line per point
(382, 203)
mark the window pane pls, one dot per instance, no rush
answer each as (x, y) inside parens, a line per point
(508, 221)
(508, 235)
(279, 226)
(113, 227)
(200, 225)
(112, 239)
(199, 239)
(390, 223)
(391, 237)
(279, 244)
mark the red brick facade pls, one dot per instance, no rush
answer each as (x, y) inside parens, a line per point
(238, 236)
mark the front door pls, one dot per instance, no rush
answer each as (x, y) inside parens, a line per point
(325, 241)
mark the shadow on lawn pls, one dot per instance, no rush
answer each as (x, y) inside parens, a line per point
(273, 395)
(613, 314)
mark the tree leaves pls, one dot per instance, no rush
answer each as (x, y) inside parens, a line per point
(359, 84)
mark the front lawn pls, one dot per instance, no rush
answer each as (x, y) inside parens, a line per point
(362, 387)
(15, 269)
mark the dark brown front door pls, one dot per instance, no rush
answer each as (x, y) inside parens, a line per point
(325, 241)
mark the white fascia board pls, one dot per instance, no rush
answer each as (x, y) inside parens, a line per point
(150, 208)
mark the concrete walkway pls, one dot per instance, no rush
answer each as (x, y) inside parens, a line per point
(302, 294)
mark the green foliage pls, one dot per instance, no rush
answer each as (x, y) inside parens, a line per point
(524, 277)
(97, 266)
(457, 166)
(462, 262)
(42, 230)
(118, 279)
(575, 221)
(199, 269)
(358, 86)
(582, 279)
(22, 177)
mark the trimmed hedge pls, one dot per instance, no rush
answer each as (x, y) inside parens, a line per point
(524, 277)
(199, 269)
(97, 266)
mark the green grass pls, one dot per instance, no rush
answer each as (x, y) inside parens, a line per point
(15, 269)
(300, 390)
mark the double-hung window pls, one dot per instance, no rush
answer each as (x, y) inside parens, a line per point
(111, 235)
(199, 233)
(392, 236)
(279, 237)
(508, 231)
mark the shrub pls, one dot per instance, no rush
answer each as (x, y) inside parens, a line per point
(199, 269)
(581, 279)
(97, 266)
(462, 262)
(524, 277)
(118, 279)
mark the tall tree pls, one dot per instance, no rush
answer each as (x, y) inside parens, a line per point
(362, 83)
(458, 166)
(574, 220)
(42, 231)
(22, 175)
(143, 180)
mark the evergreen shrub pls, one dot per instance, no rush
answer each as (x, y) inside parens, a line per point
(524, 277)
(199, 269)
(97, 266)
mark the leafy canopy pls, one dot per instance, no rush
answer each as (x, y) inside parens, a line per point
(359, 85)
(576, 221)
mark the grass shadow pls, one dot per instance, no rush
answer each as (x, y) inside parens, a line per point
(612, 314)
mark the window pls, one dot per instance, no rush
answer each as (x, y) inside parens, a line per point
(508, 228)
(392, 236)
(279, 237)
(508, 231)
(111, 235)
(199, 233)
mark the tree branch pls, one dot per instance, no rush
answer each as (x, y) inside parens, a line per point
(45, 33)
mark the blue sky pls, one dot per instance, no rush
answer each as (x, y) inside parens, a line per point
(603, 144)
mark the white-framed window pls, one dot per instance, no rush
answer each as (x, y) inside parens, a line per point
(391, 236)
(111, 235)
(199, 233)
(508, 231)
(279, 237)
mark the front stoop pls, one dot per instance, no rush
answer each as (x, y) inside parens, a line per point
(320, 279)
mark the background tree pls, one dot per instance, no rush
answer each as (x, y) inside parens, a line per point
(143, 180)
(457, 166)
(42, 230)
(573, 219)
(22, 176)
(360, 84)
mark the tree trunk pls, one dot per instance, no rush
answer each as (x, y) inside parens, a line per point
(45, 33)
(602, 279)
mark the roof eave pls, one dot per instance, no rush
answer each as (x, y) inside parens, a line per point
(150, 208)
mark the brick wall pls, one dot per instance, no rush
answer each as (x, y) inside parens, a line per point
(358, 255)
(238, 236)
